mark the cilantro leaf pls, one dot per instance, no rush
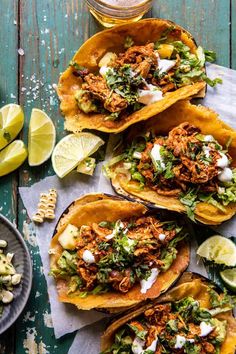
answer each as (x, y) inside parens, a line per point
(190, 201)
(140, 334)
(210, 56)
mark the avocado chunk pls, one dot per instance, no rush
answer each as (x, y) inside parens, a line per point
(68, 237)
(220, 327)
(87, 166)
(85, 102)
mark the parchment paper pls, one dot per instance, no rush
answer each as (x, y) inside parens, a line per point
(65, 319)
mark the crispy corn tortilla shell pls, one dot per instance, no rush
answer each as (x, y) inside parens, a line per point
(97, 208)
(209, 123)
(188, 285)
(89, 55)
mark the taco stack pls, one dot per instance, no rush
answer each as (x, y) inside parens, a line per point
(110, 253)
(183, 160)
(130, 73)
(190, 318)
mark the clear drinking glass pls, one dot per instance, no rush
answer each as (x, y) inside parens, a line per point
(113, 12)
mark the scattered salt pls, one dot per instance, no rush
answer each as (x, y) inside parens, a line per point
(21, 51)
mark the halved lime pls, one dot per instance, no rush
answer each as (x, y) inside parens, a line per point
(42, 137)
(73, 149)
(11, 123)
(218, 249)
(229, 278)
(12, 157)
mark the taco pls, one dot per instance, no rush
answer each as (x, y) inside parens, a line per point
(110, 253)
(129, 73)
(182, 160)
(190, 318)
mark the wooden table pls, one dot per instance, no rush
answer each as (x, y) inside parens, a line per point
(49, 32)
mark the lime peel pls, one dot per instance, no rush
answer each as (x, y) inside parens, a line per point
(42, 137)
(218, 249)
(229, 278)
(12, 157)
(11, 123)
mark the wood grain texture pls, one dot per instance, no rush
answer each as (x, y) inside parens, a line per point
(233, 34)
(50, 32)
(8, 93)
(207, 20)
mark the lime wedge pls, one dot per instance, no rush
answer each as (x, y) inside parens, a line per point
(73, 149)
(218, 249)
(42, 137)
(229, 278)
(12, 157)
(11, 123)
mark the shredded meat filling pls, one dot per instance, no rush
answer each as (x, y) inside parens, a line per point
(192, 165)
(154, 323)
(97, 86)
(143, 232)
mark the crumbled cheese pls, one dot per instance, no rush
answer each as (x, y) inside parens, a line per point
(205, 328)
(181, 340)
(148, 283)
(164, 65)
(162, 237)
(88, 257)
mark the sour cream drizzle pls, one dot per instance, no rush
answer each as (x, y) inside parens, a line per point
(226, 175)
(223, 161)
(148, 283)
(156, 155)
(138, 346)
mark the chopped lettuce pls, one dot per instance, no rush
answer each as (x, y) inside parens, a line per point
(66, 265)
(74, 284)
(228, 191)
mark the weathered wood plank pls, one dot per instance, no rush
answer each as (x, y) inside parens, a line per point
(208, 21)
(50, 32)
(233, 34)
(8, 93)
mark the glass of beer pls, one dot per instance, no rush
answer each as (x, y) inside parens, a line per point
(113, 12)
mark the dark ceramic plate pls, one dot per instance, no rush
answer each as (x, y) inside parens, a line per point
(23, 265)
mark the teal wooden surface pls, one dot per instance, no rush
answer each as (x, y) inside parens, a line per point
(49, 32)
(8, 93)
(233, 34)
